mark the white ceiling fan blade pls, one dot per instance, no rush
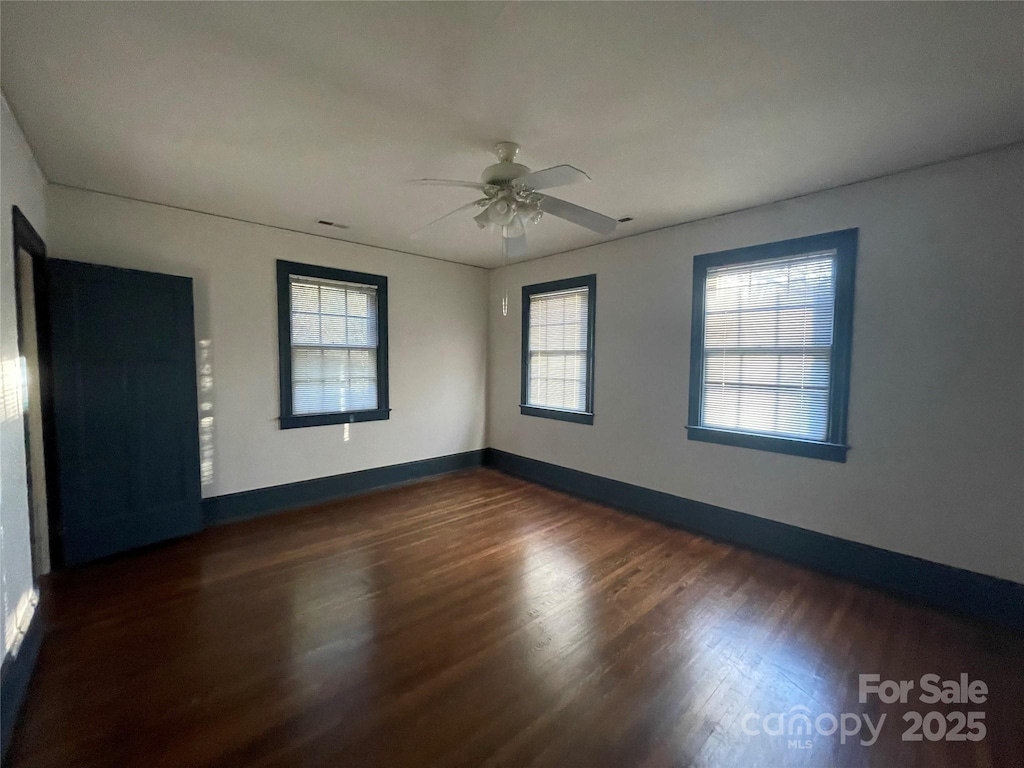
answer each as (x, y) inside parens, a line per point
(515, 247)
(452, 183)
(556, 176)
(583, 217)
(420, 232)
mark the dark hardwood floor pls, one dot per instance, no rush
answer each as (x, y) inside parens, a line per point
(479, 620)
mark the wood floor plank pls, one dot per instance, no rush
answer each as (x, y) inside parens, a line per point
(476, 619)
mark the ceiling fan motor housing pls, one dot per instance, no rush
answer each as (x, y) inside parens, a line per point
(503, 174)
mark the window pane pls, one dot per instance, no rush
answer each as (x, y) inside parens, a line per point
(305, 328)
(333, 380)
(362, 363)
(305, 298)
(789, 413)
(559, 324)
(332, 300)
(307, 365)
(332, 330)
(358, 304)
(360, 332)
(334, 346)
(767, 346)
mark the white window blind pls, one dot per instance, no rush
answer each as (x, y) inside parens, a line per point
(559, 325)
(768, 346)
(334, 346)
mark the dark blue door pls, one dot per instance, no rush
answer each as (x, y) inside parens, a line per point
(124, 390)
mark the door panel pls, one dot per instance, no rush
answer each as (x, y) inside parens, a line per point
(125, 408)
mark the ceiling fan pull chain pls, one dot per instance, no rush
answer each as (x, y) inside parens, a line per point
(504, 272)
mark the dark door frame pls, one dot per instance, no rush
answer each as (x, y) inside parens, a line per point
(28, 240)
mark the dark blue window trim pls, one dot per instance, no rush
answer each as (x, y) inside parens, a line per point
(285, 269)
(585, 281)
(834, 447)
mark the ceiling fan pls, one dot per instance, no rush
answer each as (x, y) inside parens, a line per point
(512, 200)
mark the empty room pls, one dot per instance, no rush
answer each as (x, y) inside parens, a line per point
(562, 384)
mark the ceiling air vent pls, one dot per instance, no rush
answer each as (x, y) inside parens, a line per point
(332, 224)
(624, 219)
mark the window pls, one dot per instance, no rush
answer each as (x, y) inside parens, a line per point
(558, 349)
(333, 345)
(770, 345)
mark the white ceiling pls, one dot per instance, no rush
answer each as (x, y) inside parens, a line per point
(285, 113)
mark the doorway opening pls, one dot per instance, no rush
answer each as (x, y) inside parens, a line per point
(31, 292)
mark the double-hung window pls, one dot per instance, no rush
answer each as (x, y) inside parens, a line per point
(558, 349)
(770, 345)
(332, 339)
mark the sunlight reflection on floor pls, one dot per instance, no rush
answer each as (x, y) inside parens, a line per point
(560, 632)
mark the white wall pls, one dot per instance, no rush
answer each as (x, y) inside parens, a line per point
(22, 184)
(437, 336)
(936, 420)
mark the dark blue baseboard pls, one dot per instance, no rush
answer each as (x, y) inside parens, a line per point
(262, 501)
(940, 586)
(15, 675)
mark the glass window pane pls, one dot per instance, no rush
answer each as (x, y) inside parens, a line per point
(334, 338)
(767, 346)
(557, 344)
